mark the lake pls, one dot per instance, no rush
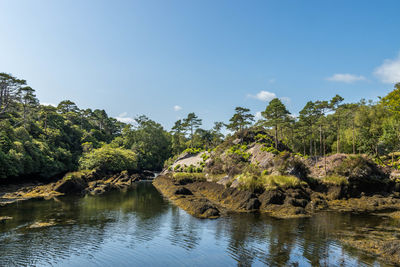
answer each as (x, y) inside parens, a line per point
(139, 227)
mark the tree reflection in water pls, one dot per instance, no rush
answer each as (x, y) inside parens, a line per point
(139, 227)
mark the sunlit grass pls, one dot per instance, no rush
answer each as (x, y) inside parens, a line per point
(250, 181)
(335, 180)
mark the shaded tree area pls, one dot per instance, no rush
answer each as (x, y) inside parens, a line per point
(42, 141)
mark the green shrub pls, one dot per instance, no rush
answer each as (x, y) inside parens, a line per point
(193, 150)
(250, 181)
(270, 149)
(240, 151)
(109, 159)
(205, 156)
(177, 167)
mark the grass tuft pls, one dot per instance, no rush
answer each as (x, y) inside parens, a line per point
(335, 180)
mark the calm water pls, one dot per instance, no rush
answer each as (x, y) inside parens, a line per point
(140, 228)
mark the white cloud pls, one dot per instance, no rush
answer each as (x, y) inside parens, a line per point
(389, 71)
(258, 115)
(177, 108)
(48, 104)
(345, 78)
(263, 96)
(285, 100)
(123, 118)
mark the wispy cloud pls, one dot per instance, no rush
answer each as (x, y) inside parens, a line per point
(345, 78)
(177, 108)
(263, 96)
(285, 100)
(123, 117)
(258, 115)
(389, 71)
(48, 104)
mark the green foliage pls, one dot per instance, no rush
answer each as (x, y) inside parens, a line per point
(240, 151)
(205, 156)
(193, 150)
(240, 119)
(177, 167)
(150, 142)
(270, 149)
(108, 159)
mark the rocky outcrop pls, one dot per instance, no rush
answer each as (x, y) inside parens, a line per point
(197, 196)
(187, 198)
(79, 183)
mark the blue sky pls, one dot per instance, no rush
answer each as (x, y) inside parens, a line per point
(167, 58)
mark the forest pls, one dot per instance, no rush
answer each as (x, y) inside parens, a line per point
(42, 141)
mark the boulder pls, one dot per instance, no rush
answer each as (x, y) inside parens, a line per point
(253, 204)
(183, 191)
(70, 186)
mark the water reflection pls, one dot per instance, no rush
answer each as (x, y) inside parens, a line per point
(138, 227)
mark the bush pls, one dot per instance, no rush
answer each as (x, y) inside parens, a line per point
(270, 149)
(109, 159)
(250, 181)
(193, 151)
(239, 150)
(177, 167)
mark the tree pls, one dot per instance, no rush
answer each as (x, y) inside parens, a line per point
(178, 137)
(275, 114)
(28, 100)
(335, 105)
(66, 106)
(191, 123)
(150, 142)
(216, 133)
(240, 119)
(392, 100)
(9, 87)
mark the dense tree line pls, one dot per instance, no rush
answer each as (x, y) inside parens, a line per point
(42, 141)
(332, 126)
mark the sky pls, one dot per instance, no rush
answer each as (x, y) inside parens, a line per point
(167, 58)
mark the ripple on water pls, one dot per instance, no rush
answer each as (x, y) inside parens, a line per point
(141, 228)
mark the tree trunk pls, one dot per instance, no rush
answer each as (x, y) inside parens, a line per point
(320, 139)
(338, 136)
(354, 140)
(276, 136)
